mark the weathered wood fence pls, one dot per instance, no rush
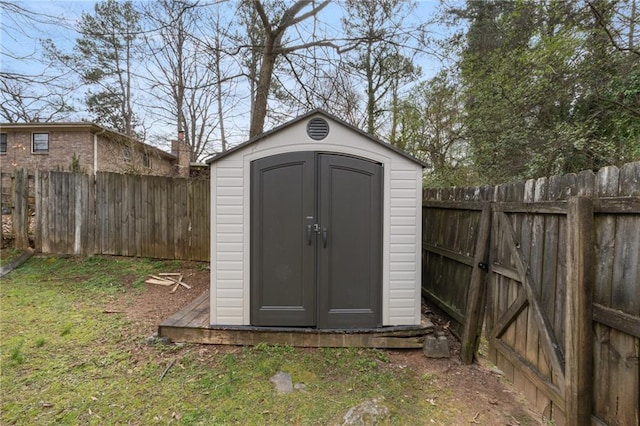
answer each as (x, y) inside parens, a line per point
(550, 268)
(116, 214)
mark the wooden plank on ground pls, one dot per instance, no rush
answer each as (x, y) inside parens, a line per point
(26, 254)
(176, 318)
(159, 282)
(250, 337)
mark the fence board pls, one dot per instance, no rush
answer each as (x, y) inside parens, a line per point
(579, 315)
(606, 186)
(20, 219)
(625, 296)
(477, 289)
(125, 215)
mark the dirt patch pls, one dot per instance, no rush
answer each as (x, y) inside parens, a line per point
(149, 306)
(479, 393)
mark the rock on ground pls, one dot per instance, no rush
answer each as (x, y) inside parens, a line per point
(369, 412)
(283, 382)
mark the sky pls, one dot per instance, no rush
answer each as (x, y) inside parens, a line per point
(20, 40)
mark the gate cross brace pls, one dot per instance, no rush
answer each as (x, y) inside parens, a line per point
(547, 338)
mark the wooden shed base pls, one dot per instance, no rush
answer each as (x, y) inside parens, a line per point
(191, 325)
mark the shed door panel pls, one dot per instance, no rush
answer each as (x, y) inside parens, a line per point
(350, 260)
(282, 266)
(330, 278)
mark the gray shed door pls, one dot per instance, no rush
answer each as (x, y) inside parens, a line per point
(316, 241)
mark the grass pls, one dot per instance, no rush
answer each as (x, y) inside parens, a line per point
(65, 362)
(8, 254)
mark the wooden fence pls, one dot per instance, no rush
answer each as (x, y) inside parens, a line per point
(552, 266)
(116, 214)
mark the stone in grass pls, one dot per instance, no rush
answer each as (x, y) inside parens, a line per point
(436, 347)
(283, 382)
(155, 340)
(369, 412)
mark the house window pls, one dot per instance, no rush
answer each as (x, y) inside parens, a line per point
(3, 143)
(40, 142)
(146, 161)
(126, 153)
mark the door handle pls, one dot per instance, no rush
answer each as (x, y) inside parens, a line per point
(324, 237)
(309, 227)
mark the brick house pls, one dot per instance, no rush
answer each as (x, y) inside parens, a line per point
(86, 147)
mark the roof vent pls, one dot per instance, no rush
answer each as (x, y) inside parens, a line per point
(317, 128)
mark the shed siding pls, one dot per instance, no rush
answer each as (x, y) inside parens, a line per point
(227, 192)
(230, 273)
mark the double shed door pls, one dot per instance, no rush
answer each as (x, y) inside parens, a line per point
(316, 241)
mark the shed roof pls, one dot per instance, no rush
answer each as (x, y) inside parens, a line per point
(303, 117)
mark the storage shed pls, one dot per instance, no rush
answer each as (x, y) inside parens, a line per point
(315, 224)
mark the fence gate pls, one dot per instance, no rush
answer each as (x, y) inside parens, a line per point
(562, 295)
(521, 317)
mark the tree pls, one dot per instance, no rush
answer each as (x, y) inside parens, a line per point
(23, 99)
(41, 93)
(379, 41)
(107, 47)
(274, 28)
(104, 57)
(430, 127)
(536, 78)
(182, 82)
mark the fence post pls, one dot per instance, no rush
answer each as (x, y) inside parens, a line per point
(579, 311)
(21, 209)
(476, 298)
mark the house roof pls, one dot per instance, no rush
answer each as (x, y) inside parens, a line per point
(304, 117)
(80, 126)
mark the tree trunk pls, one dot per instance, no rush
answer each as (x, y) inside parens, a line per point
(259, 111)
